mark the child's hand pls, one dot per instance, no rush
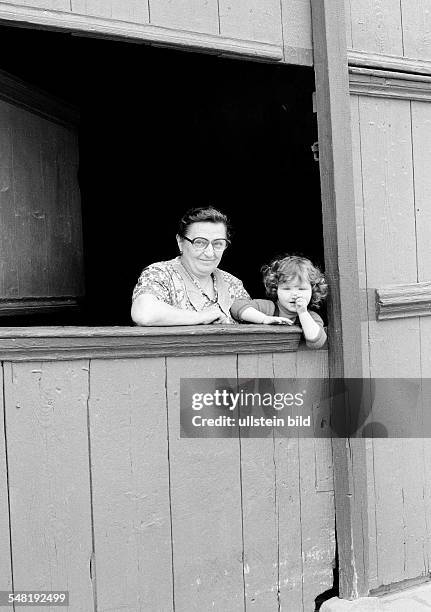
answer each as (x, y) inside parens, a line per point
(277, 321)
(301, 305)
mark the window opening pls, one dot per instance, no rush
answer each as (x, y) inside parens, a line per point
(163, 130)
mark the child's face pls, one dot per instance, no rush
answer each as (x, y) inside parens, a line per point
(290, 290)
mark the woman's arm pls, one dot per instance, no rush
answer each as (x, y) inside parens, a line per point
(148, 310)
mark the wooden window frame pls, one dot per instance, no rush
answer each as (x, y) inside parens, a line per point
(341, 268)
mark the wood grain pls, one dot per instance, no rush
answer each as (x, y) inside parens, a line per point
(54, 5)
(201, 40)
(297, 35)
(260, 503)
(130, 484)
(317, 501)
(365, 303)
(388, 193)
(49, 481)
(191, 15)
(251, 19)
(41, 212)
(387, 84)
(389, 62)
(399, 301)
(341, 267)
(18, 92)
(135, 11)
(416, 29)
(47, 343)
(421, 135)
(207, 527)
(376, 26)
(5, 551)
(306, 500)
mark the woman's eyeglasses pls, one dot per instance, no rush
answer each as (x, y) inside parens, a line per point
(200, 244)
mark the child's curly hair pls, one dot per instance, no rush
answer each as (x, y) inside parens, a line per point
(292, 266)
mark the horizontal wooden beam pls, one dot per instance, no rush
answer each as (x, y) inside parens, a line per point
(388, 62)
(386, 84)
(139, 32)
(35, 100)
(66, 343)
(399, 301)
(31, 306)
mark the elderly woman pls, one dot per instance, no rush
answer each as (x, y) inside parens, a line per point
(190, 289)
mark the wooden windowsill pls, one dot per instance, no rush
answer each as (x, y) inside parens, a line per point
(66, 343)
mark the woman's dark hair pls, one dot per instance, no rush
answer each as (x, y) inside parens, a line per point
(291, 266)
(196, 215)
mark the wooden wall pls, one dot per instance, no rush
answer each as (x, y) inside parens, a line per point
(274, 30)
(390, 27)
(101, 496)
(41, 252)
(391, 127)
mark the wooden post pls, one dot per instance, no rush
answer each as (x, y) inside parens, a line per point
(338, 204)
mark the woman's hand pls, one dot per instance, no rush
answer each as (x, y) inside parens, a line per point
(212, 315)
(268, 320)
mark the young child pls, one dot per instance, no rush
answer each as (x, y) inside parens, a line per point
(292, 283)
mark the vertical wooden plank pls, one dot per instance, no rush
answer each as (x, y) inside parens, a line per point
(376, 26)
(348, 12)
(416, 29)
(390, 239)
(5, 551)
(49, 484)
(341, 266)
(306, 500)
(297, 32)
(129, 464)
(191, 15)
(317, 503)
(397, 502)
(360, 232)
(260, 504)
(251, 20)
(60, 205)
(421, 136)
(207, 528)
(287, 461)
(135, 11)
(29, 203)
(9, 285)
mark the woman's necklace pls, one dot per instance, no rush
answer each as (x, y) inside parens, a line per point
(199, 286)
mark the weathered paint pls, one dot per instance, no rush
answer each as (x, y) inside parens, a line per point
(49, 477)
(251, 19)
(97, 471)
(207, 522)
(135, 11)
(375, 26)
(391, 142)
(5, 551)
(271, 30)
(130, 484)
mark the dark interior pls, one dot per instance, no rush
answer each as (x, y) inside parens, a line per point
(165, 130)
